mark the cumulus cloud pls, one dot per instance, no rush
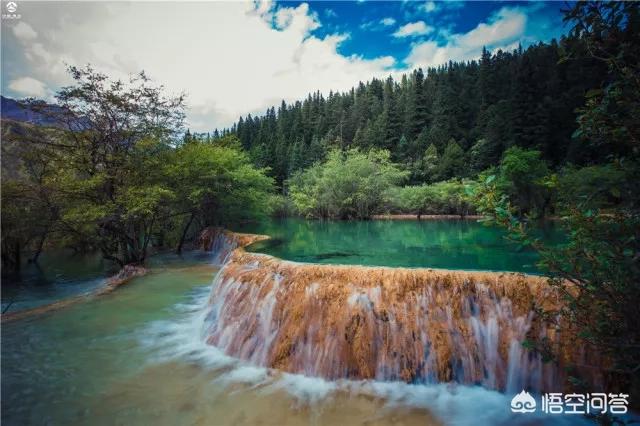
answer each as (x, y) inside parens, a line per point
(378, 25)
(503, 29)
(330, 13)
(413, 29)
(297, 19)
(230, 58)
(28, 86)
(429, 6)
(387, 22)
(23, 31)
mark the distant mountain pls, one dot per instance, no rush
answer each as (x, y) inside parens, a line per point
(13, 110)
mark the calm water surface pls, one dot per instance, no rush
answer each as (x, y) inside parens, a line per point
(60, 274)
(448, 244)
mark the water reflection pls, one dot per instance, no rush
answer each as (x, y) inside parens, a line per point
(449, 244)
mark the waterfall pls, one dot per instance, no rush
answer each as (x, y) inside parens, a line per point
(385, 324)
(222, 242)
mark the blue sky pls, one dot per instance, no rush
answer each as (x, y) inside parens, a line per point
(234, 58)
(371, 25)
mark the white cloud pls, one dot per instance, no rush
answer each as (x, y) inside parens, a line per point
(429, 6)
(298, 20)
(37, 52)
(507, 24)
(413, 29)
(387, 22)
(24, 32)
(262, 8)
(504, 28)
(330, 13)
(28, 86)
(252, 58)
(378, 25)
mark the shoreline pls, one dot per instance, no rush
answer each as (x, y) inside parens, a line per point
(426, 217)
(126, 274)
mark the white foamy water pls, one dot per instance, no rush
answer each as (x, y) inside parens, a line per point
(183, 339)
(245, 320)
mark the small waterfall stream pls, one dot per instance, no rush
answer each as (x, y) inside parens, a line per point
(386, 324)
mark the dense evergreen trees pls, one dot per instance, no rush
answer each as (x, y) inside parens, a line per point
(463, 113)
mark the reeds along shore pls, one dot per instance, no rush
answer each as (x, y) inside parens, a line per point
(414, 325)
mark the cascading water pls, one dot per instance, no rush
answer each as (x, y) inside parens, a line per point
(386, 324)
(221, 243)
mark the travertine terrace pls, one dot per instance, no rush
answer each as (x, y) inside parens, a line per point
(357, 322)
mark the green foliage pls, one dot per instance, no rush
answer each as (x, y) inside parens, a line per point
(279, 205)
(111, 174)
(447, 197)
(348, 185)
(597, 270)
(27, 201)
(600, 186)
(217, 181)
(430, 161)
(452, 162)
(482, 155)
(525, 98)
(522, 177)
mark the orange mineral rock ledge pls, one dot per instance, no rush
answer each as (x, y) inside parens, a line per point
(362, 322)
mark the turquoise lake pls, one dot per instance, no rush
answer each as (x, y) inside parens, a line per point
(447, 244)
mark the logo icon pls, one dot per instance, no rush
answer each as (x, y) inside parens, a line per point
(523, 403)
(12, 7)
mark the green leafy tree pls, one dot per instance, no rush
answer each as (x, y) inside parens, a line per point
(453, 197)
(29, 215)
(598, 269)
(522, 177)
(348, 185)
(214, 184)
(109, 138)
(113, 173)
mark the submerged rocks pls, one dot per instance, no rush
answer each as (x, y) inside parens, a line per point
(125, 274)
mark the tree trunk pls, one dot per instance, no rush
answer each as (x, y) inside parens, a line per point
(18, 260)
(184, 234)
(36, 255)
(10, 257)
